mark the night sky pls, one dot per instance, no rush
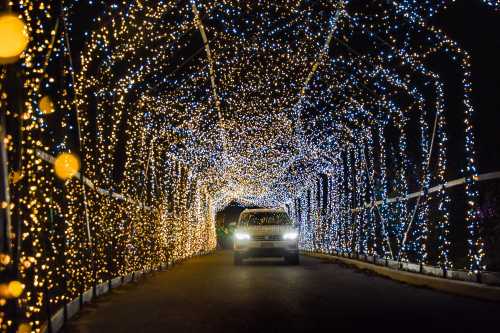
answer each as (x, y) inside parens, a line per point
(476, 27)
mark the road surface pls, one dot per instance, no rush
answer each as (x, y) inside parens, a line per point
(209, 294)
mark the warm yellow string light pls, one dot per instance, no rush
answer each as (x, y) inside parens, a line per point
(148, 132)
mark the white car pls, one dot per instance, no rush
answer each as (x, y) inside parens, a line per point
(265, 233)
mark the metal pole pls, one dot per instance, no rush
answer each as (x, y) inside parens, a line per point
(5, 217)
(80, 146)
(79, 136)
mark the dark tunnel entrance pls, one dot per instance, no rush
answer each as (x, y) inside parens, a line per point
(224, 223)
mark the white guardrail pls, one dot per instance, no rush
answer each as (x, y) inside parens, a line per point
(484, 285)
(50, 159)
(450, 184)
(481, 278)
(70, 309)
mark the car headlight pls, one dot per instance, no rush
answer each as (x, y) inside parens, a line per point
(241, 236)
(291, 235)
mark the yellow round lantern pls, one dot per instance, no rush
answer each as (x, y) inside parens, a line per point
(24, 328)
(15, 288)
(4, 259)
(13, 38)
(66, 165)
(16, 176)
(46, 105)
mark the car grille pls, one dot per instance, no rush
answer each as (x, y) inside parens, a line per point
(267, 237)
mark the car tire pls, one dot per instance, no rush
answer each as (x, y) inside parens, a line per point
(292, 259)
(238, 260)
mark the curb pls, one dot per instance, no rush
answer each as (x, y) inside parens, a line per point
(73, 307)
(462, 288)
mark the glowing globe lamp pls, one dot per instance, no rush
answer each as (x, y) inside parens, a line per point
(46, 105)
(66, 165)
(13, 38)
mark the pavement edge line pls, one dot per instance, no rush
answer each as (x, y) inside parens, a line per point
(457, 287)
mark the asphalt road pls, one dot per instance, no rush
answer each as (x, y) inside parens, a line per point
(209, 294)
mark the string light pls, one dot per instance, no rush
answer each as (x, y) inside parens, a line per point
(324, 107)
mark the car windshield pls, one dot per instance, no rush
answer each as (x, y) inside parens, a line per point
(265, 218)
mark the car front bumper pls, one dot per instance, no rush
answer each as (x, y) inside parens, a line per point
(249, 249)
